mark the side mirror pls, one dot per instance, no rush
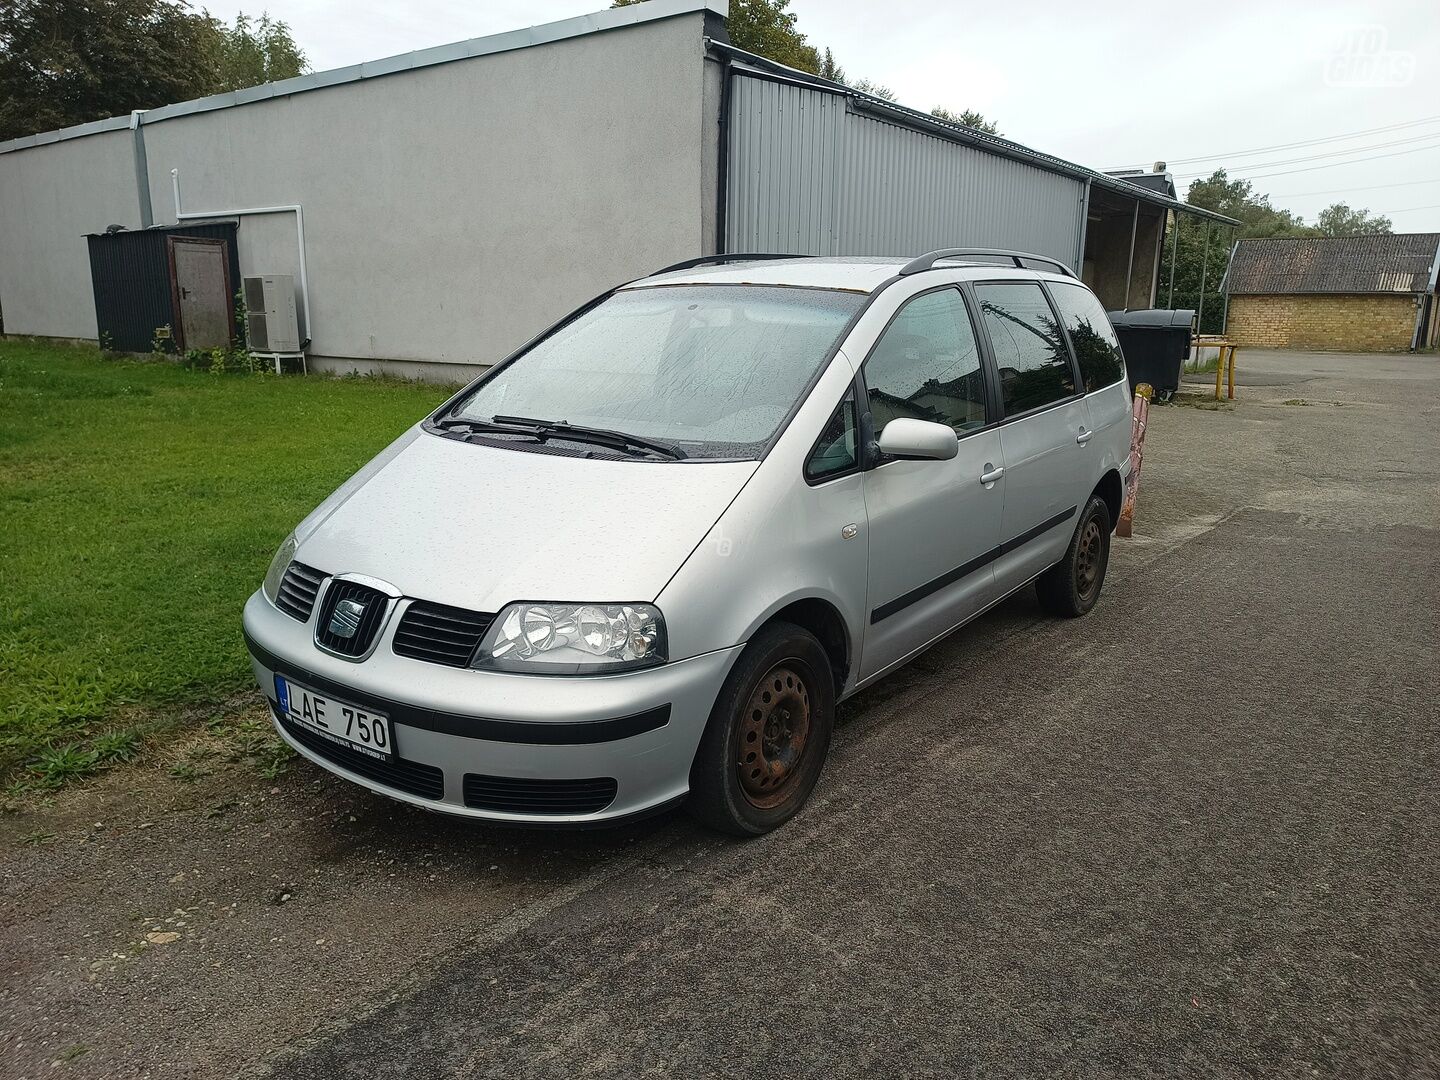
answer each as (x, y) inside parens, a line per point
(918, 440)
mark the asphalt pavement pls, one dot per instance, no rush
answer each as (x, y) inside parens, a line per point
(1193, 834)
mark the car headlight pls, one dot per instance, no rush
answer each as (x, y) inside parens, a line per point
(278, 565)
(573, 639)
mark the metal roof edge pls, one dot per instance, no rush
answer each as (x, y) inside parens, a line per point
(969, 136)
(507, 41)
(78, 131)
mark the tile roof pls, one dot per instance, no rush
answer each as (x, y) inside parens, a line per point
(1395, 263)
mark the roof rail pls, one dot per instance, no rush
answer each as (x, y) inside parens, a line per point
(734, 256)
(930, 258)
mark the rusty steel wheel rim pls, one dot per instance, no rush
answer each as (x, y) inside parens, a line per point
(1087, 562)
(774, 735)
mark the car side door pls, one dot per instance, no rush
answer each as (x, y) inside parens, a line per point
(1043, 431)
(933, 524)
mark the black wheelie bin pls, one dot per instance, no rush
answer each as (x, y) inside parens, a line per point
(1156, 343)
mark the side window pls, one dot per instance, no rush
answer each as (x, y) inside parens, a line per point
(927, 365)
(1029, 345)
(1096, 346)
(835, 450)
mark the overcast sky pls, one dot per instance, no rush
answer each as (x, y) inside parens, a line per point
(1107, 85)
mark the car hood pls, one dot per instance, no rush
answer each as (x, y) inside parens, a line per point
(479, 526)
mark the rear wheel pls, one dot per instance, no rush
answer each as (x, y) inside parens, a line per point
(1071, 587)
(768, 734)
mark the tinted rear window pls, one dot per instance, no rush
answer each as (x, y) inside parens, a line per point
(1096, 347)
(1029, 345)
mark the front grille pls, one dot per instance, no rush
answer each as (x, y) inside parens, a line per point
(374, 604)
(424, 780)
(298, 589)
(517, 795)
(440, 634)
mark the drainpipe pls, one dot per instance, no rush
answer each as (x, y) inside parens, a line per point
(142, 167)
(1084, 228)
(722, 155)
(296, 209)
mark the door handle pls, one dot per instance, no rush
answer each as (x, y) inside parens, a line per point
(991, 473)
(1084, 436)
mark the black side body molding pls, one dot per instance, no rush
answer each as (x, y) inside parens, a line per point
(914, 596)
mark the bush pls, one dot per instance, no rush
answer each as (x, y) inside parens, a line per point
(218, 361)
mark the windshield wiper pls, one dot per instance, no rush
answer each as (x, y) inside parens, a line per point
(562, 429)
(462, 426)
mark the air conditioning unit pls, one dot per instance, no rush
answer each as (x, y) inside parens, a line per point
(270, 325)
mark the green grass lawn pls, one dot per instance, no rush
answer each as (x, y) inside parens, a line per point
(139, 506)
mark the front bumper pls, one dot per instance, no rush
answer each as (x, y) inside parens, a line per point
(467, 723)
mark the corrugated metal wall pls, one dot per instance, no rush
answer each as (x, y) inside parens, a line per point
(807, 175)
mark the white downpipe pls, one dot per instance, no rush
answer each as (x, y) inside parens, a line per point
(296, 209)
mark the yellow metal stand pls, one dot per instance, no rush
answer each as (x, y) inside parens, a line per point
(1225, 368)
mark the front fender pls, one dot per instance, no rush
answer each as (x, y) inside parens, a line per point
(779, 541)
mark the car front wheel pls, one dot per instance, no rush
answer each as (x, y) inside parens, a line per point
(768, 734)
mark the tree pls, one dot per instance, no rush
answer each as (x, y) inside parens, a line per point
(66, 62)
(256, 51)
(765, 27)
(968, 118)
(830, 69)
(1339, 220)
(1237, 199)
(874, 89)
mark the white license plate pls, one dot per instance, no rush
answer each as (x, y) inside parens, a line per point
(340, 722)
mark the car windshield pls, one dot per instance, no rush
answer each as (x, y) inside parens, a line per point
(711, 370)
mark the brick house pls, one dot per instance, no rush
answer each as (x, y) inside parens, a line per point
(1347, 293)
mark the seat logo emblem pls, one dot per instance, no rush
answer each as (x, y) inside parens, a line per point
(346, 618)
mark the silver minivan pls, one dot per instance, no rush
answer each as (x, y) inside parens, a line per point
(640, 560)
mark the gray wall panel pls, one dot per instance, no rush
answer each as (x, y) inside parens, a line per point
(451, 211)
(50, 196)
(808, 175)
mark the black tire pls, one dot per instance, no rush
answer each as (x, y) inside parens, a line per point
(767, 736)
(1071, 587)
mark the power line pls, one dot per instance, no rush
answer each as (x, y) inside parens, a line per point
(1327, 154)
(1301, 142)
(1366, 187)
(1407, 209)
(1337, 164)
(1309, 142)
